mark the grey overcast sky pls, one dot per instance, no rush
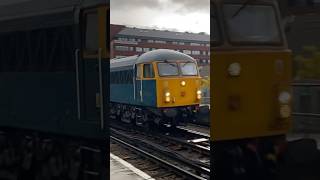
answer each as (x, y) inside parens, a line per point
(178, 15)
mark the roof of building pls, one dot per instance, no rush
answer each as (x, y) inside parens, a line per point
(160, 34)
(156, 55)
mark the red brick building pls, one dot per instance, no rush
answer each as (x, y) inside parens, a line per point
(129, 41)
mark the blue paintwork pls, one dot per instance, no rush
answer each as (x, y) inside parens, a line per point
(124, 93)
(44, 102)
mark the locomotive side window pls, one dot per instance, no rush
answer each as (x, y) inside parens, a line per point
(148, 71)
(91, 31)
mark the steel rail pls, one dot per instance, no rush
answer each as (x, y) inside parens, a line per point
(165, 163)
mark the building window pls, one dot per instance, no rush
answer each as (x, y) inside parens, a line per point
(186, 51)
(208, 45)
(174, 42)
(138, 49)
(150, 41)
(122, 48)
(138, 40)
(159, 41)
(204, 53)
(146, 49)
(181, 43)
(194, 44)
(132, 39)
(130, 48)
(120, 56)
(196, 52)
(122, 39)
(209, 53)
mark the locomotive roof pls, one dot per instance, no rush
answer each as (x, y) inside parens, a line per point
(156, 55)
(18, 15)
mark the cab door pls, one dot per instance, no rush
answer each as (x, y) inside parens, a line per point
(138, 84)
(92, 67)
(148, 85)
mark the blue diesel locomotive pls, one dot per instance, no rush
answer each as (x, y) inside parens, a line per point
(159, 87)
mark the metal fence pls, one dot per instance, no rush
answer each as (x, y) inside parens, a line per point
(306, 107)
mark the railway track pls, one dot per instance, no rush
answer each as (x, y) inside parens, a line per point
(192, 158)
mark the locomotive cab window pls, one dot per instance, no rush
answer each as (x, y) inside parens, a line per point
(188, 69)
(252, 24)
(148, 71)
(168, 69)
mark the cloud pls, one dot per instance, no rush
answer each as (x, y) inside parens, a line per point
(181, 15)
(182, 6)
(134, 4)
(192, 5)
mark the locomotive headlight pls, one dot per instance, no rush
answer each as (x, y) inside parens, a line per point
(183, 83)
(167, 97)
(199, 94)
(284, 97)
(285, 111)
(234, 69)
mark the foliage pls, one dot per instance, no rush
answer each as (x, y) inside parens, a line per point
(205, 83)
(307, 64)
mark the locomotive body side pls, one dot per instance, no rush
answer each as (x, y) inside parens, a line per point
(41, 82)
(49, 81)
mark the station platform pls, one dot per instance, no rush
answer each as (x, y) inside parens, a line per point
(122, 170)
(296, 136)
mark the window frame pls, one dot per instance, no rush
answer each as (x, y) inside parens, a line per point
(250, 43)
(185, 75)
(102, 13)
(152, 68)
(85, 13)
(178, 69)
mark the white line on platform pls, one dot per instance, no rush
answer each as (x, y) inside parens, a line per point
(131, 167)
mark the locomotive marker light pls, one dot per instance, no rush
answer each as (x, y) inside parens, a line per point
(199, 94)
(183, 83)
(284, 97)
(167, 97)
(234, 69)
(285, 111)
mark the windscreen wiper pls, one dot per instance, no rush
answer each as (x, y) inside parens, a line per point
(244, 5)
